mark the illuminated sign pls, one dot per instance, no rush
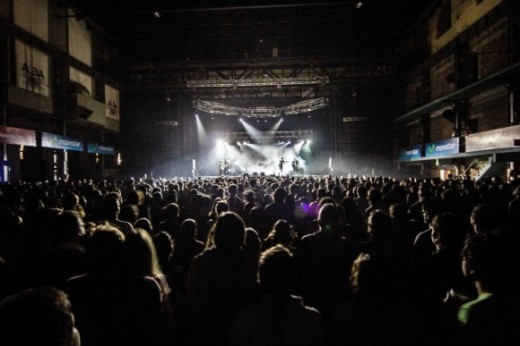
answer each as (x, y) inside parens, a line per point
(411, 153)
(50, 140)
(96, 148)
(13, 135)
(440, 148)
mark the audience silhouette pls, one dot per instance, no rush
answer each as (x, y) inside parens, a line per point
(347, 260)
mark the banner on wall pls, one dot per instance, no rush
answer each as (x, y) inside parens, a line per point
(411, 153)
(440, 148)
(15, 136)
(81, 78)
(32, 16)
(112, 102)
(32, 69)
(80, 40)
(96, 148)
(53, 141)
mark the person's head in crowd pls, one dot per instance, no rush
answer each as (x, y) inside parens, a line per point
(164, 247)
(33, 203)
(188, 230)
(129, 213)
(336, 190)
(320, 193)
(69, 228)
(104, 250)
(397, 212)
(115, 193)
(282, 233)
(378, 224)
(250, 196)
(329, 218)
(374, 196)
(277, 271)
(157, 197)
(424, 191)
(135, 197)
(70, 201)
(350, 211)
(267, 199)
(144, 223)
(40, 316)
(171, 212)
(221, 207)
(483, 218)
(111, 207)
(369, 274)
(279, 195)
(431, 207)
(294, 189)
(193, 192)
(232, 190)
(447, 233)
(139, 254)
(253, 244)
(326, 200)
(485, 261)
(452, 198)
(256, 215)
(11, 226)
(228, 233)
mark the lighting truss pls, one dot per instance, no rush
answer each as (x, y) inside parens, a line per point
(278, 82)
(268, 136)
(261, 112)
(353, 119)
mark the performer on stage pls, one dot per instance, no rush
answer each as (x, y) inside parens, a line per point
(223, 167)
(280, 165)
(295, 165)
(226, 167)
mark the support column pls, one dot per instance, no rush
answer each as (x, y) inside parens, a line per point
(5, 168)
(65, 155)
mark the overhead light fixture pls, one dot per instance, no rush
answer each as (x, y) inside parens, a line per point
(359, 4)
(261, 112)
(353, 119)
(268, 136)
(277, 82)
(157, 14)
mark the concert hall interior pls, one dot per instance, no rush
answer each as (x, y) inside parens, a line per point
(259, 172)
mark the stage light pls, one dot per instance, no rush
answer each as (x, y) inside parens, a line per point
(261, 112)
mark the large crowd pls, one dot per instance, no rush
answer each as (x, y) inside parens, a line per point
(260, 260)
